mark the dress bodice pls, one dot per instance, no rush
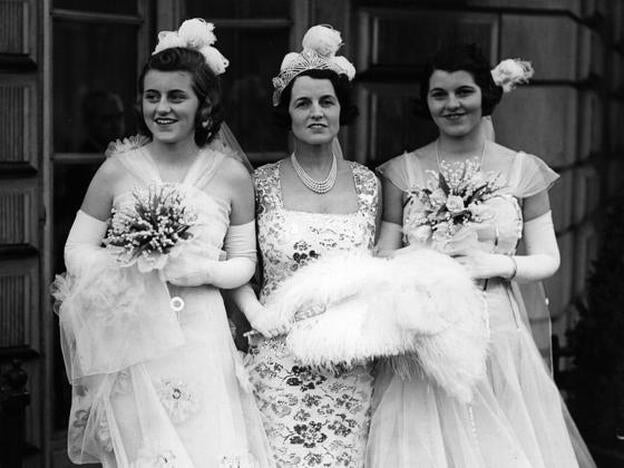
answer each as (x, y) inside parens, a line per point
(519, 175)
(288, 239)
(213, 212)
(499, 232)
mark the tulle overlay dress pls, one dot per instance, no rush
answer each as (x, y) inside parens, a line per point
(312, 417)
(516, 417)
(152, 387)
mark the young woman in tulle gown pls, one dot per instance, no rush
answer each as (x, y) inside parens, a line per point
(309, 205)
(516, 417)
(156, 378)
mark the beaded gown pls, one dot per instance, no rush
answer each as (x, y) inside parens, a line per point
(312, 417)
(152, 387)
(517, 417)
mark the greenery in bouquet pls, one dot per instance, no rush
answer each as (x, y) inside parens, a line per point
(147, 231)
(451, 199)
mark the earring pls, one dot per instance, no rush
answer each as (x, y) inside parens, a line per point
(207, 123)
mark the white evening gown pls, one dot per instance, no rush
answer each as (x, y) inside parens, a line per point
(152, 388)
(517, 417)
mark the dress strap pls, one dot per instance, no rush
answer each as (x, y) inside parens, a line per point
(267, 186)
(140, 166)
(203, 171)
(367, 190)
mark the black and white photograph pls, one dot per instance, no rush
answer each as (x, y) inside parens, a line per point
(312, 233)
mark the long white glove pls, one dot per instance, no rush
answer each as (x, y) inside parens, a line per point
(542, 259)
(540, 262)
(261, 318)
(240, 246)
(84, 242)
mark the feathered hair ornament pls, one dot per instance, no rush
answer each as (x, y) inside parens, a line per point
(198, 35)
(511, 72)
(320, 45)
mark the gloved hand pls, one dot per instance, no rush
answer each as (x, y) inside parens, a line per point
(195, 264)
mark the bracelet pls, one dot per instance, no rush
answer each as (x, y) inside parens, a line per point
(515, 268)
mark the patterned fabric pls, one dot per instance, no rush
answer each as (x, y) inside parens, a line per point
(305, 234)
(312, 417)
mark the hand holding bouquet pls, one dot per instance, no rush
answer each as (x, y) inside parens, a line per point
(453, 200)
(146, 232)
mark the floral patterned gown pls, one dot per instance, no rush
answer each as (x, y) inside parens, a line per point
(312, 417)
(154, 388)
(517, 417)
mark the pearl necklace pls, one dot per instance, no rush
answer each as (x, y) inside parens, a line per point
(317, 186)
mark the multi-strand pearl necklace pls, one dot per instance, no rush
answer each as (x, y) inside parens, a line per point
(318, 186)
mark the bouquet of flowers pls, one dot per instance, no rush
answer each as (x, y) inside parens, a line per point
(146, 232)
(452, 198)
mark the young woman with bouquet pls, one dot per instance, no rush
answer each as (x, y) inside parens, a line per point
(156, 378)
(473, 200)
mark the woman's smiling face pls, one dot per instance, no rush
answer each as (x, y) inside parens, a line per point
(169, 105)
(454, 101)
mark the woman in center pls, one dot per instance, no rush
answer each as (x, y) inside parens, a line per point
(309, 205)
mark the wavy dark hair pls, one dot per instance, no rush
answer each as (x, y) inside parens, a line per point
(462, 57)
(342, 88)
(204, 82)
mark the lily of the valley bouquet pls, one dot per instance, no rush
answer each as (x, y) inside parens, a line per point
(111, 307)
(146, 232)
(452, 200)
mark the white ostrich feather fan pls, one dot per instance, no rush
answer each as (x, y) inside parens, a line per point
(420, 305)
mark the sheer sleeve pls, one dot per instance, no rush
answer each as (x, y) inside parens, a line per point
(530, 175)
(396, 172)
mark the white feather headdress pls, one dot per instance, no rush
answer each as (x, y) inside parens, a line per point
(195, 34)
(320, 45)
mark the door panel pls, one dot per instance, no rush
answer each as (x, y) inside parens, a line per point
(21, 209)
(18, 124)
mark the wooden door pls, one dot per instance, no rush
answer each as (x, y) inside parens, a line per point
(95, 51)
(22, 223)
